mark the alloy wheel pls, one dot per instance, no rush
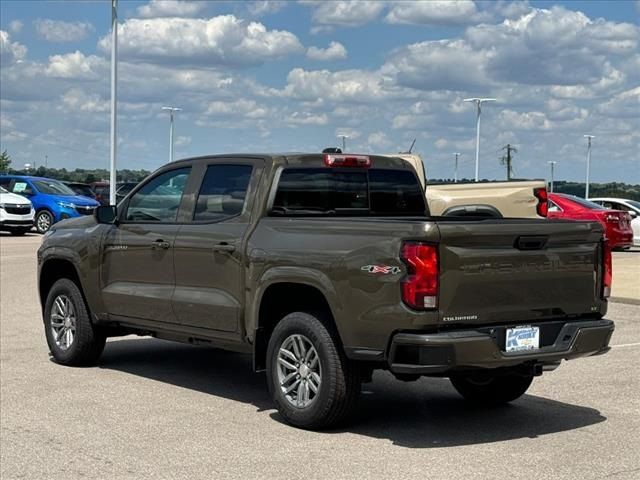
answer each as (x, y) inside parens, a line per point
(299, 371)
(63, 322)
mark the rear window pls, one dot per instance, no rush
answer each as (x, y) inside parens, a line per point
(380, 192)
(585, 203)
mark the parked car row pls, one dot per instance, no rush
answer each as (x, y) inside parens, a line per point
(51, 200)
(617, 223)
(16, 213)
(27, 201)
(101, 191)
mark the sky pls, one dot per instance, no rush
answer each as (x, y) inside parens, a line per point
(276, 76)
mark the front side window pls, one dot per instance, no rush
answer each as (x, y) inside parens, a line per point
(223, 192)
(159, 199)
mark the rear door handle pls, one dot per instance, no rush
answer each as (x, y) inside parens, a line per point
(224, 247)
(160, 245)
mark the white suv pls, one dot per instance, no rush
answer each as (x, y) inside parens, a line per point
(16, 213)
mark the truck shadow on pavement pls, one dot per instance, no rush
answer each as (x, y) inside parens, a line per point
(427, 413)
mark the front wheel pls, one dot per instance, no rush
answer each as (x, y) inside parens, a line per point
(44, 220)
(310, 379)
(18, 232)
(71, 336)
(490, 389)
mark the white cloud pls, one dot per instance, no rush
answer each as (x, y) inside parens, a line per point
(525, 120)
(625, 104)
(345, 85)
(378, 141)
(171, 8)
(435, 12)
(16, 26)
(10, 52)
(439, 65)
(182, 141)
(222, 40)
(79, 101)
(345, 13)
(351, 133)
(335, 51)
(307, 118)
(265, 7)
(551, 47)
(75, 66)
(236, 108)
(556, 47)
(59, 31)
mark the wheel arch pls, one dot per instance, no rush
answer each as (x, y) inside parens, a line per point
(52, 270)
(279, 298)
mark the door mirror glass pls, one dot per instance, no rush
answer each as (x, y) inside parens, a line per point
(106, 213)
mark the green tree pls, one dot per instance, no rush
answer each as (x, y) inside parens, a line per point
(5, 162)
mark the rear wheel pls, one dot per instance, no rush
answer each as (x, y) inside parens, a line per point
(310, 379)
(43, 222)
(72, 338)
(490, 389)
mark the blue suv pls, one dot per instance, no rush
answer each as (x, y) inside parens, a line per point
(52, 200)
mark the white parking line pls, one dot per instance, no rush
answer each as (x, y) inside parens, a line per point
(626, 345)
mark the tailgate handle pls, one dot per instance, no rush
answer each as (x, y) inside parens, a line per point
(531, 242)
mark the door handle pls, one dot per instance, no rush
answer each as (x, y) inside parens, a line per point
(224, 247)
(160, 244)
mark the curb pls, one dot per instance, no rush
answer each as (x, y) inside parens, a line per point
(629, 301)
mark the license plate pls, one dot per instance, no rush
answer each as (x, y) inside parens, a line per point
(523, 338)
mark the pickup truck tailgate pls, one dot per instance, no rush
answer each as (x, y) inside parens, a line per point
(519, 270)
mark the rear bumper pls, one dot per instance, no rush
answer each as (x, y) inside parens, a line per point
(444, 352)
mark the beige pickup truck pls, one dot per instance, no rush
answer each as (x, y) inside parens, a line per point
(520, 199)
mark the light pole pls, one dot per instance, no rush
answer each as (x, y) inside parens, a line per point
(114, 101)
(455, 172)
(478, 102)
(344, 142)
(586, 188)
(553, 164)
(171, 111)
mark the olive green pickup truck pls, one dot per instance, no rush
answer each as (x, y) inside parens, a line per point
(325, 268)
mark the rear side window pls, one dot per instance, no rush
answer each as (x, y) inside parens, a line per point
(223, 192)
(325, 191)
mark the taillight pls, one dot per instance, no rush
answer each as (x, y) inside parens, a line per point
(607, 269)
(420, 286)
(612, 218)
(362, 161)
(542, 208)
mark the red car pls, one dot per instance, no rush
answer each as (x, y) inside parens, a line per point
(617, 224)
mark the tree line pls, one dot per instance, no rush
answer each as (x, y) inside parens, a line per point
(81, 175)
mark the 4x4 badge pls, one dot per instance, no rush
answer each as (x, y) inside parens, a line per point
(383, 269)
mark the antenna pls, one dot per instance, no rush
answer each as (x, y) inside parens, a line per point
(411, 147)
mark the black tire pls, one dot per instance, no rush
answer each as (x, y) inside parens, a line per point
(18, 232)
(88, 342)
(43, 221)
(340, 380)
(486, 389)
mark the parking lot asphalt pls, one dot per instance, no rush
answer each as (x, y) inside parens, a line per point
(154, 409)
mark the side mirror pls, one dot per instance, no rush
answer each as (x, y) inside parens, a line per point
(633, 213)
(105, 213)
